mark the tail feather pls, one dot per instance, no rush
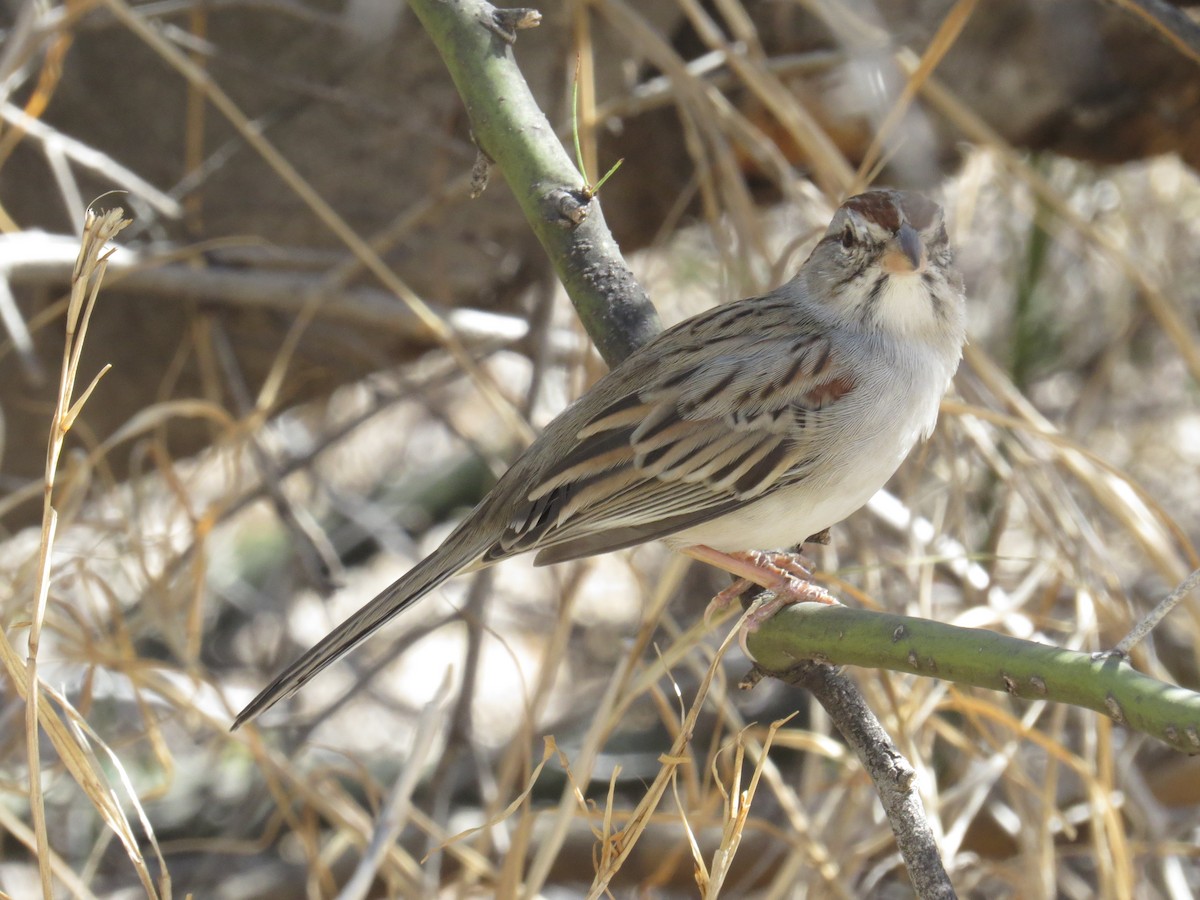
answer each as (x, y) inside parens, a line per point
(454, 555)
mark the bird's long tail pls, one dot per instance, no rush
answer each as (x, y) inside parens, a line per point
(455, 554)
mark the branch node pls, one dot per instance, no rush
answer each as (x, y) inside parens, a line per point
(751, 679)
(1115, 712)
(481, 173)
(902, 773)
(564, 208)
(505, 23)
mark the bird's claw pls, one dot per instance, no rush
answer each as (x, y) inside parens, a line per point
(788, 581)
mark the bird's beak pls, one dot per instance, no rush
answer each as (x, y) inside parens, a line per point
(908, 256)
(910, 243)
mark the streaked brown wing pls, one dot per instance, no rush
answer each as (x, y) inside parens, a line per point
(726, 419)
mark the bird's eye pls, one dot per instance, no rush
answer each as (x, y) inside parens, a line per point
(848, 237)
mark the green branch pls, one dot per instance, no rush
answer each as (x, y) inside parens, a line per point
(841, 636)
(475, 41)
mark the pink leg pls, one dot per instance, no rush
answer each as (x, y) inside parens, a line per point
(725, 599)
(780, 573)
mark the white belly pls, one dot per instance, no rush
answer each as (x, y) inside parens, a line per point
(779, 521)
(856, 466)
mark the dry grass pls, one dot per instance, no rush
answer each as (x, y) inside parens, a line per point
(579, 730)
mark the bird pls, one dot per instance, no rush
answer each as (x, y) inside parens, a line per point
(745, 428)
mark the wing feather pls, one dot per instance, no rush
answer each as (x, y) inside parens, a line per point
(717, 420)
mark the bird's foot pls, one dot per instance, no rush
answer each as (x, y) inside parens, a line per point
(795, 591)
(783, 574)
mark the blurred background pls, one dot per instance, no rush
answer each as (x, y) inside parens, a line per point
(280, 437)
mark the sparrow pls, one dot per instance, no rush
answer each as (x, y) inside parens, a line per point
(745, 428)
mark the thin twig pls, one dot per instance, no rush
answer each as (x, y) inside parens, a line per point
(1179, 29)
(90, 158)
(318, 559)
(38, 259)
(394, 814)
(458, 731)
(894, 778)
(1138, 633)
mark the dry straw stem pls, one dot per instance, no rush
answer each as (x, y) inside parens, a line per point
(939, 45)
(72, 883)
(736, 811)
(714, 129)
(1174, 24)
(616, 850)
(658, 91)
(975, 129)
(395, 812)
(55, 143)
(1144, 518)
(71, 739)
(620, 691)
(831, 171)
(371, 260)
(32, 258)
(1163, 541)
(894, 778)
(1148, 622)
